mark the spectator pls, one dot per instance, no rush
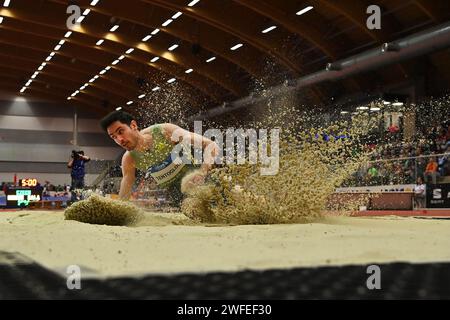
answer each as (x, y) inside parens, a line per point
(393, 128)
(443, 162)
(431, 138)
(431, 170)
(372, 172)
(45, 189)
(76, 164)
(419, 193)
(420, 163)
(441, 141)
(398, 173)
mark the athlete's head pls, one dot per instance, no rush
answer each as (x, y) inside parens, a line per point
(122, 128)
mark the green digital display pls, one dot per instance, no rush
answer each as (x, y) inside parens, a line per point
(22, 197)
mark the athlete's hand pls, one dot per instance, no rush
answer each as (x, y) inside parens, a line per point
(197, 179)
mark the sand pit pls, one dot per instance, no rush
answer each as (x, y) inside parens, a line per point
(162, 244)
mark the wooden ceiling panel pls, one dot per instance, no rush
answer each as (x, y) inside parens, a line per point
(299, 45)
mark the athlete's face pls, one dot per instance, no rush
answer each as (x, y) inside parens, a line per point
(124, 135)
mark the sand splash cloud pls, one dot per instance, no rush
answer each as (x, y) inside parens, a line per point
(313, 162)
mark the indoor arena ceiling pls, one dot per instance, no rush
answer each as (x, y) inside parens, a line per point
(216, 50)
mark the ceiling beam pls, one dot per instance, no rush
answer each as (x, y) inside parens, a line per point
(24, 61)
(308, 32)
(169, 63)
(38, 92)
(227, 19)
(145, 19)
(101, 59)
(437, 10)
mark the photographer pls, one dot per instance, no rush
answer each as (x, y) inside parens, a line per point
(76, 163)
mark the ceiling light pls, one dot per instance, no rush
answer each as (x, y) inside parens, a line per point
(103, 71)
(269, 29)
(155, 31)
(33, 76)
(188, 71)
(22, 90)
(40, 68)
(176, 15)
(173, 47)
(92, 80)
(68, 33)
(211, 59)
(80, 19)
(28, 83)
(69, 98)
(141, 96)
(386, 102)
(129, 102)
(146, 38)
(114, 28)
(121, 57)
(129, 51)
(94, 2)
(1, 19)
(115, 62)
(86, 12)
(375, 109)
(57, 47)
(193, 3)
(167, 22)
(6, 3)
(154, 59)
(236, 47)
(362, 108)
(48, 58)
(118, 108)
(344, 112)
(304, 10)
(52, 54)
(156, 88)
(99, 42)
(171, 80)
(61, 42)
(107, 68)
(96, 77)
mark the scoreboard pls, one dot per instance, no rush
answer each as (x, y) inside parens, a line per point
(17, 197)
(30, 182)
(21, 196)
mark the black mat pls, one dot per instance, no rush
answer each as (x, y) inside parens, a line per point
(21, 278)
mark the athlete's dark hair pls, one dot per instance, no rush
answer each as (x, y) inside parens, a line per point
(121, 116)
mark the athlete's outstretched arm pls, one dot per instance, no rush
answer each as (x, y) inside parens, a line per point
(128, 173)
(210, 148)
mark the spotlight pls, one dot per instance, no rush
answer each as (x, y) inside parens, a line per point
(385, 47)
(333, 67)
